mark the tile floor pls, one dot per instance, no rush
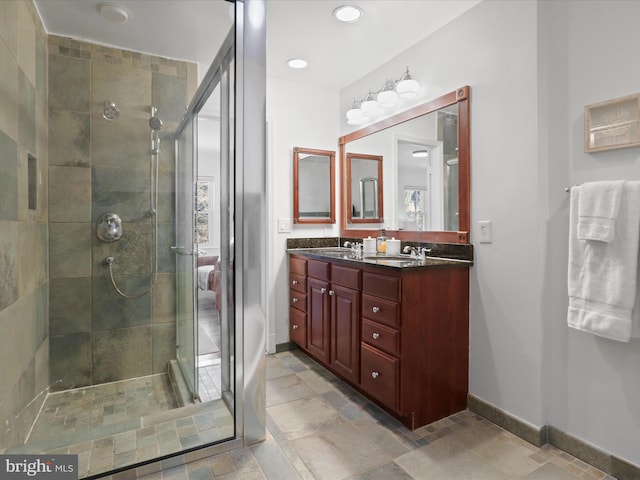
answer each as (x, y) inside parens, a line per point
(319, 428)
(121, 423)
(75, 411)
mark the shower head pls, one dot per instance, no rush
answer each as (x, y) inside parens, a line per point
(110, 110)
(155, 122)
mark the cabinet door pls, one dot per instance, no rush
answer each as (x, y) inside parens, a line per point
(345, 332)
(298, 327)
(318, 327)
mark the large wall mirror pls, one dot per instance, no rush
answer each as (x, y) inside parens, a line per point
(313, 186)
(425, 160)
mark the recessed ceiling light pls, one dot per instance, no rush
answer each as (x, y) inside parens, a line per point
(114, 12)
(348, 13)
(420, 153)
(297, 63)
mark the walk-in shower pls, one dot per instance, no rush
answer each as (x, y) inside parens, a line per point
(109, 227)
(86, 368)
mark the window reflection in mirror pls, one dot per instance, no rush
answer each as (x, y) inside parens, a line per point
(365, 192)
(313, 185)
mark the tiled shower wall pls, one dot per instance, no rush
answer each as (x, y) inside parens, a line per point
(24, 287)
(98, 166)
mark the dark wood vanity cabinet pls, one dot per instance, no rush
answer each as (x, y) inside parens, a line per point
(334, 316)
(399, 336)
(298, 301)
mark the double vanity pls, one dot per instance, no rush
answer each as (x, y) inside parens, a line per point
(397, 330)
(395, 327)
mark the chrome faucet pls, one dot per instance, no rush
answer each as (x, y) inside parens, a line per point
(419, 253)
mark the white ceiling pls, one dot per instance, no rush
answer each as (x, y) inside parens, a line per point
(338, 53)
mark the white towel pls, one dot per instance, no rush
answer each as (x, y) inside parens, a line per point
(602, 276)
(598, 209)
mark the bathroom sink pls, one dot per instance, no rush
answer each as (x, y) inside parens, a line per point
(404, 258)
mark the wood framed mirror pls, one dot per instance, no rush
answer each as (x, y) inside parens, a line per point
(426, 167)
(313, 185)
(365, 192)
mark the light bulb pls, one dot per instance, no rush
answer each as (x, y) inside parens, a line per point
(370, 106)
(387, 98)
(407, 87)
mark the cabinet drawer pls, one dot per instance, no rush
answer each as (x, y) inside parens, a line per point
(345, 276)
(383, 286)
(298, 300)
(380, 311)
(298, 283)
(298, 327)
(319, 270)
(298, 266)
(381, 337)
(380, 376)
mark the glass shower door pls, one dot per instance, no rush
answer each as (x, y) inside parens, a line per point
(185, 257)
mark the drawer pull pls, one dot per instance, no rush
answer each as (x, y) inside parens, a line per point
(323, 290)
(295, 300)
(295, 327)
(331, 292)
(375, 374)
(375, 309)
(375, 335)
(294, 282)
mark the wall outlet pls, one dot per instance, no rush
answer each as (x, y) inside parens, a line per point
(486, 233)
(284, 225)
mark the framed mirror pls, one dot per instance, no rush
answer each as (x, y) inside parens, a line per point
(365, 192)
(313, 185)
(426, 168)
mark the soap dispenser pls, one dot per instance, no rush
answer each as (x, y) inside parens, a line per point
(381, 242)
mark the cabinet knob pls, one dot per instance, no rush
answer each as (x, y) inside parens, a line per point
(295, 327)
(375, 335)
(294, 282)
(295, 300)
(375, 309)
(331, 292)
(375, 374)
(323, 290)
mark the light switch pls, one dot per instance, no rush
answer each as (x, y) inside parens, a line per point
(284, 225)
(486, 234)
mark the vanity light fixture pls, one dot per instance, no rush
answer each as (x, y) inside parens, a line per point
(407, 87)
(354, 114)
(297, 63)
(420, 153)
(385, 98)
(348, 13)
(370, 106)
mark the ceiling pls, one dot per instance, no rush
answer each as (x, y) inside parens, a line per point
(338, 53)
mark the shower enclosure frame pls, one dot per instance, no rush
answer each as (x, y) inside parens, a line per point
(246, 44)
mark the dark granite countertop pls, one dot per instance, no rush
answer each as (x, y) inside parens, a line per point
(402, 262)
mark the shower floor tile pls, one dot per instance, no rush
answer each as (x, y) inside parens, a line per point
(83, 409)
(118, 424)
